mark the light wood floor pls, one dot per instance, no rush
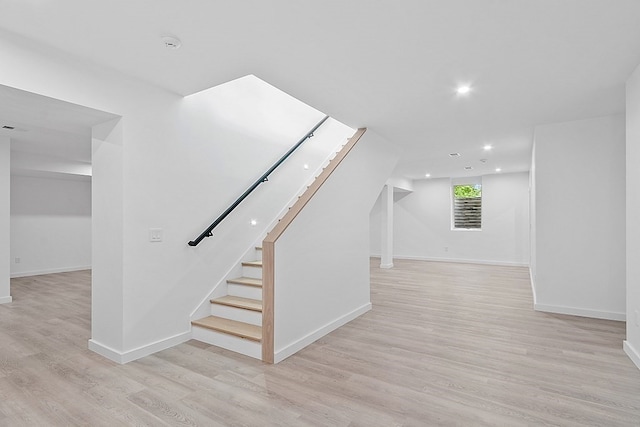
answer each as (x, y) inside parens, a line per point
(445, 344)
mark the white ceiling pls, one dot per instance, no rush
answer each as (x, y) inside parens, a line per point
(390, 65)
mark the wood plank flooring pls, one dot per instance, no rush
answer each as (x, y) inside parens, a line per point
(445, 345)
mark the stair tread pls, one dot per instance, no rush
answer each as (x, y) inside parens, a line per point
(239, 302)
(233, 327)
(249, 281)
(257, 263)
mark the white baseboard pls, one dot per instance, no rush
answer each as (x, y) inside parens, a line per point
(574, 311)
(458, 260)
(296, 346)
(49, 271)
(6, 300)
(633, 354)
(140, 352)
(105, 351)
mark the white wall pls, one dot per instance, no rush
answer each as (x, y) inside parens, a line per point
(5, 251)
(533, 222)
(225, 139)
(50, 225)
(632, 344)
(172, 163)
(422, 223)
(580, 217)
(107, 232)
(322, 259)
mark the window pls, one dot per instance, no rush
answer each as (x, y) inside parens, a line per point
(467, 206)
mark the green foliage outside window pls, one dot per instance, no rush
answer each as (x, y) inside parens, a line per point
(467, 191)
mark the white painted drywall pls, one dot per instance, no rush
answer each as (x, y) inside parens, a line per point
(147, 122)
(386, 226)
(50, 225)
(632, 343)
(172, 163)
(227, 137)
(422, 223)
(32, 164)
(107, 252)
(532, 222)
(580, 217)
(5, 251)
(322, 259)
(400, 184)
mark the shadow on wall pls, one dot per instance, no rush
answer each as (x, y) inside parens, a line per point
(47, 196)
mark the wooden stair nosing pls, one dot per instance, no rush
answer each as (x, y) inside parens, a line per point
(248, 281)
(231, 327)
(257, 263)
(239, 302)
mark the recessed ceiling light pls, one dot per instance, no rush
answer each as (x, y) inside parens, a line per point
(171, 42)
(427, 175)
(487, 147)
(498, 170)
(463, 89)
(454, 154)
(468, 168)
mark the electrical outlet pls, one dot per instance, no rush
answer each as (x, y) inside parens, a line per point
(17, 260)
(155, 234)
(446, 248)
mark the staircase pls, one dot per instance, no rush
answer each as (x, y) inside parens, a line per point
(235, 322)
(243, 320)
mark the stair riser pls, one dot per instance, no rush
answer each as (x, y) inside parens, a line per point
(239, 314)
(259, 254)
(253, 272)
(230, 342)
(244, 291)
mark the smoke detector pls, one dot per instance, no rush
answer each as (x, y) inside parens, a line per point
(171, 42)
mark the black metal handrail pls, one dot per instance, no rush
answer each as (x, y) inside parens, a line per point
(263, 178)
